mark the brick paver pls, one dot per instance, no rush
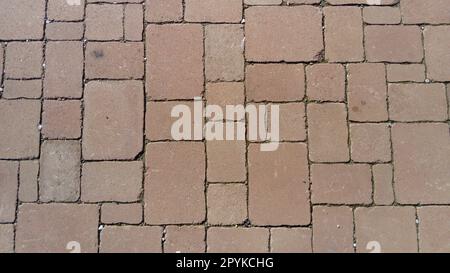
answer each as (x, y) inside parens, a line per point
(87, 158)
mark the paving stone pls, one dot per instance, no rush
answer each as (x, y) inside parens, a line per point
(417, 102)
(131, 239)
(174, 190)
(64, 31)
(23, 60)
(290, 240)
(184, 239)
(213, 11)
(61, 119)
(63, 11)
(59, 178)
(227, 204)
(7, 238)
(174, 61)
(164, 10)
(394, 228)
(365, 2)
(113, 120)
(325, 82)
(133, 26)
(15, 89)
(341, 184)
(28, 177)
(278, 185)
(382, 15)
(104, 22)
(434, 229)
(301, 41)
(225, 93)
(405, 72)
(328, 132)
(226, 161)
(63, 72)
(370, 142)
(224, 52)
(421, 160)
(383, 184)
(56, 227)
(425, 12)
(332, 229)
(111, 181)
(22, 19)
(8, 194)
(237, 240)
(113, 213)
(292, 122)
(436, 52)
(19, 131)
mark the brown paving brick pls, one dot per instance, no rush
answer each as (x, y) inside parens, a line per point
(114, 60)
(133, 26)
(23, 60)
(225, 93)
(263, 2)
(104, 22)
(22, 19)
(113, 120)
(370, 142)
(275, 82)
(343, 34)
(394, 228)
(50, 227)
(14, 89)
(290, 240)
(19, 131)
(59, 178)
(174, 183)
(130, 239)
(226, 161)
(28, 177)
(382, 179)
(213, 11)
(63, 72)
(238, 240)
(8, 194)
(164, 10)
(224, 52)
(325, 82)
(365, 2)
(121, 213)
(416, 102)
(174, 61)
(61, 119)
(437, 53)
(301, 41)
(332, 229)
(64, 31)
(367, 92)
(405, 72)
(292, 122)
(61, 10)
(227, 204)
(393, 44)
(421, 161)
(111, 181)
(382, 15)
(7, 238)
(327, 132)
(185, 239)
(434, 229)
(278, 185)
(425, 11)
(341, 183)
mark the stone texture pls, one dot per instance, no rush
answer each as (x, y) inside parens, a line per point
(24, 19)
(434, 229)
(113, 213)
(325, 82)
(227, 204)
(8, 194)
(28, 177)
(382, 15)
(437, 54)
(290, 240)
(64, 31)
(17, 89)
(226, 161)
(383, 184)
(213, 11)
(133, 27)
(164, 10)
(184, 239)
(370, 142)
(7, 238)
(405, 73)
(23, 60)
(104, 22)
(130, 239)
(61, 119)
(237, 240)
(61, 10)
(425, 12)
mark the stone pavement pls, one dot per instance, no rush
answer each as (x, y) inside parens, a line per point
(88, 162)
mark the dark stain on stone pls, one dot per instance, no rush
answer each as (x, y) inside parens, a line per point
(355, 109)
(98, 54)
(363, 102)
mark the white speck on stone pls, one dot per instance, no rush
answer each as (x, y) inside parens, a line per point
(101, 227)
(243, 21)
(177, 251)
(417, 221)
(40, 127)
(427, 80)
(243, 43)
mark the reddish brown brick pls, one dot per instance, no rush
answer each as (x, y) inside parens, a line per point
(434, 229)
(213, 11)
(133, 26)
(104, 22)
(278, 185)
(370, 142)
(64, 31)
(7, 238)
(425, 12)
(61, 10)
(437, 54)
(130, 239)
(405, 72)
(226, 161)
(15, 89)
(61, 119)
(325, 82)
(23, 60)
(238, 240)
(52, 227)
(225, 93)
(24, 19)
(382, 15)
(121, 213)
(292, 122)
(174, 183)
(8, 194)
(164, 10)
(383, 184)
(227, 204)
(394, 228)
(290, 240)
(28, 177)
(184, 239)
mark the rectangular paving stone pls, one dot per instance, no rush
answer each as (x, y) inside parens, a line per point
(393, 228)
(113, 120)
(437, 53)
(382, 15)
(22, 19)
(325, 82)
(64, 31)
(175, 190)
(370, 142)
(15, 89)
(49, 228)
(113, 213)
(425, 11)
(61, 119)
(28, 177)
(292, 121)
(332, 229)
(223, 94)
(104, 22)
(64, 10)
(421, 160)
(114, 60)
(290, 240)
(8, 194)
(278, 185)
(328, 132)
(224, 52)
(19, 131)
(237, 240)
(130, 239)
(226, 161)
(227, 204)
(59, 178)
(341, 184)
(213, 11)
(288, 33)
(383, 184)
(23, 60)
(133, 22)
(111, 181)
(405, 72)
(434, 229)
(184, 239)
(7, 238)
(63, 71)
(174, 61)
(163, 10)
